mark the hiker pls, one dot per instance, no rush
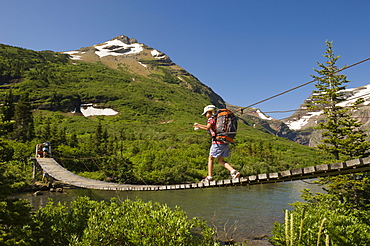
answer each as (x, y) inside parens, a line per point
(46, 149)
(219, 149)
(39, 152)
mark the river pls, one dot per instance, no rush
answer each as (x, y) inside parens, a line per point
(252, 209)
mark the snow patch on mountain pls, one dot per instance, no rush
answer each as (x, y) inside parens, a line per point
(356, 93)
(300, 123)
(75, 55)
(263, 116)
(91, 111)
(158, 55)
(350, 96)
(117, 48)
(142, 64)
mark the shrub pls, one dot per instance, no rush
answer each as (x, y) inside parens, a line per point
(88, 222)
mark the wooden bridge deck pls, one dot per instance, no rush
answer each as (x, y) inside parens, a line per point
(61, 174)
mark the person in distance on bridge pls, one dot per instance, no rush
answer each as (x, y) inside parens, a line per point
(218, 149)
(46, 149)
(39, 152)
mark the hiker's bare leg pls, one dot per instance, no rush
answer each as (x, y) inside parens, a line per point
(210, 165)
(225, 164)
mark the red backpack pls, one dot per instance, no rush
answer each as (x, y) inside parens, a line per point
(226, 125)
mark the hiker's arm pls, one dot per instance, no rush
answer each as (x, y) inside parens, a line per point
(203, 127)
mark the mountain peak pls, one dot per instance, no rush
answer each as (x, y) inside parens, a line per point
(121, 49)
(125, 39)
(118, 46)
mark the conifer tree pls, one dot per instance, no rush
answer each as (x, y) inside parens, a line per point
(62, 138)
(97, 139)
(46, 131)
(73, 141)
(8, 112)
(340, 131)
(24, 127)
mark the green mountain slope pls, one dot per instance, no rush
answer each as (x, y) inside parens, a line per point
(151, 139)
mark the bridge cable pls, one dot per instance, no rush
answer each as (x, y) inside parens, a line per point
(309, 82)
(299, 109)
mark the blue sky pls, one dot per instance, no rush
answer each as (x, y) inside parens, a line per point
(245, 50)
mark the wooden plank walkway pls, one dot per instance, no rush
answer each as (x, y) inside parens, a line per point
(61, 174)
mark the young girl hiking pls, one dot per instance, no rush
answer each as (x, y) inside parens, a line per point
(219, 149)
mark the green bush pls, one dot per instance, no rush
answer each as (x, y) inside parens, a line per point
(15, 221)
(87, 222)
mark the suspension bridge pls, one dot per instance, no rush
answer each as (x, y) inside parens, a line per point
(57, 172)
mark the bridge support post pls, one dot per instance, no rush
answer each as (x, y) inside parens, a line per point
(35, 169)
(33, 172)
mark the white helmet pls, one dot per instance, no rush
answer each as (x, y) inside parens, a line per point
(209, 108)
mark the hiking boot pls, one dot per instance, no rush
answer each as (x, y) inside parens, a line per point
(206, 179)
(235, 174)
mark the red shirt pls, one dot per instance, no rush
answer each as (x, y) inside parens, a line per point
(212, 130)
